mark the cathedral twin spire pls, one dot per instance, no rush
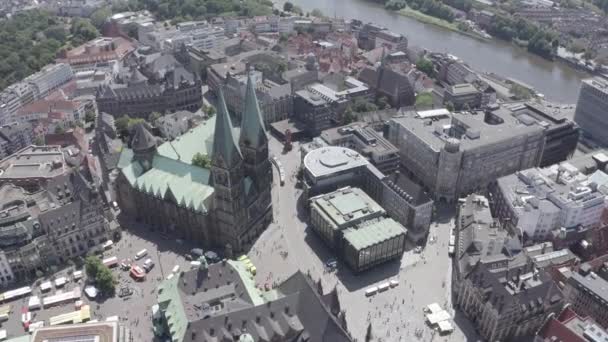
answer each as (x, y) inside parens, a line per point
(253, 134)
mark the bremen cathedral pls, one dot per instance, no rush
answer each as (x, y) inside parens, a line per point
(225, 204)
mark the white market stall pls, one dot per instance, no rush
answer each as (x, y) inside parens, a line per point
(47, 285)
(33, 303)
(59, 282)
(435, 318)
(445, 327)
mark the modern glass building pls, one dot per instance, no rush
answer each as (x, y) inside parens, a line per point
(356, 228)
(372, 243)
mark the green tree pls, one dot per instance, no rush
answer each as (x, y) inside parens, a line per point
(361, 105)
(382, 102)
(424, 100)
(316, 13)
(99, 274)
(426, 66)
(210, 111)
(122, 124)
(89, 116)
(201, 160)
(449, 106)
(154, 116)
(105, 280)
(99, 17)
(39, 141)
(348, 116)
(92, 264)
(287, 6)
(520, 92)
(82, 31)
(297, 9)
(59, 129)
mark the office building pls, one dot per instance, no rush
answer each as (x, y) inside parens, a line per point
(355, 226)
(226, 205)
(14, 137)
(409, 204)
(50, 78)
(222, 302)
(462, 96)
(391, 41)
(453, 155)
(592, 110)
(387, 81)
(367, 141)
(328, 168)
(316, 112)
(535, 202)
(495, 285)
(588, 294)
(561, 132)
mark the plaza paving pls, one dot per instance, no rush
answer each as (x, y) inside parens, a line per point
(289, 244)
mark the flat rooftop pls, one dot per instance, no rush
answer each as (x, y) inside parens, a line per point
(330, 160)
(348, 204)
(85, 332)
(34, 162)
(471, 129)
(594, 284)
(462, 89)
(370, 141)
(373, 232)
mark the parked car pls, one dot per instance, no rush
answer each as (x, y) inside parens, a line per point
(331, 264)
(212, 257)
(148, 265)
(125, 291)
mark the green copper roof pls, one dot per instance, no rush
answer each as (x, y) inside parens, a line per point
(188, 183)
(171, 175)
(252, 127)
(170, 303)
(225, 144)
(197, 140)
(126, 156)
(373, 232)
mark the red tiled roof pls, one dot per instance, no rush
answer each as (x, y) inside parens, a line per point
(79, 55)
(555, 328)
(46, 106)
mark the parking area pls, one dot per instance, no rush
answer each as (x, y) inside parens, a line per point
(134, 310)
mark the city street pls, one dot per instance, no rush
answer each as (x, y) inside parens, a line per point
(288, 245)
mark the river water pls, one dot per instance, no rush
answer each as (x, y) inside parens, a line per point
(557, 81)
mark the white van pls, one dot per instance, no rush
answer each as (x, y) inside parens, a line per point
(148, 264)
(141, 254)
(175, 269)
(371, 291)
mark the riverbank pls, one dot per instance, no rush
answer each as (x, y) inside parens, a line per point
(427, 19)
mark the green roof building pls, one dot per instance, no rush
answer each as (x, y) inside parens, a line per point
(352, 223)
(225, 203)
(221, 303)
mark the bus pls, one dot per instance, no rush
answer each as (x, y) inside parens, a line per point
(141, 254)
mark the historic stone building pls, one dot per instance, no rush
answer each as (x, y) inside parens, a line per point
(225, 203)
